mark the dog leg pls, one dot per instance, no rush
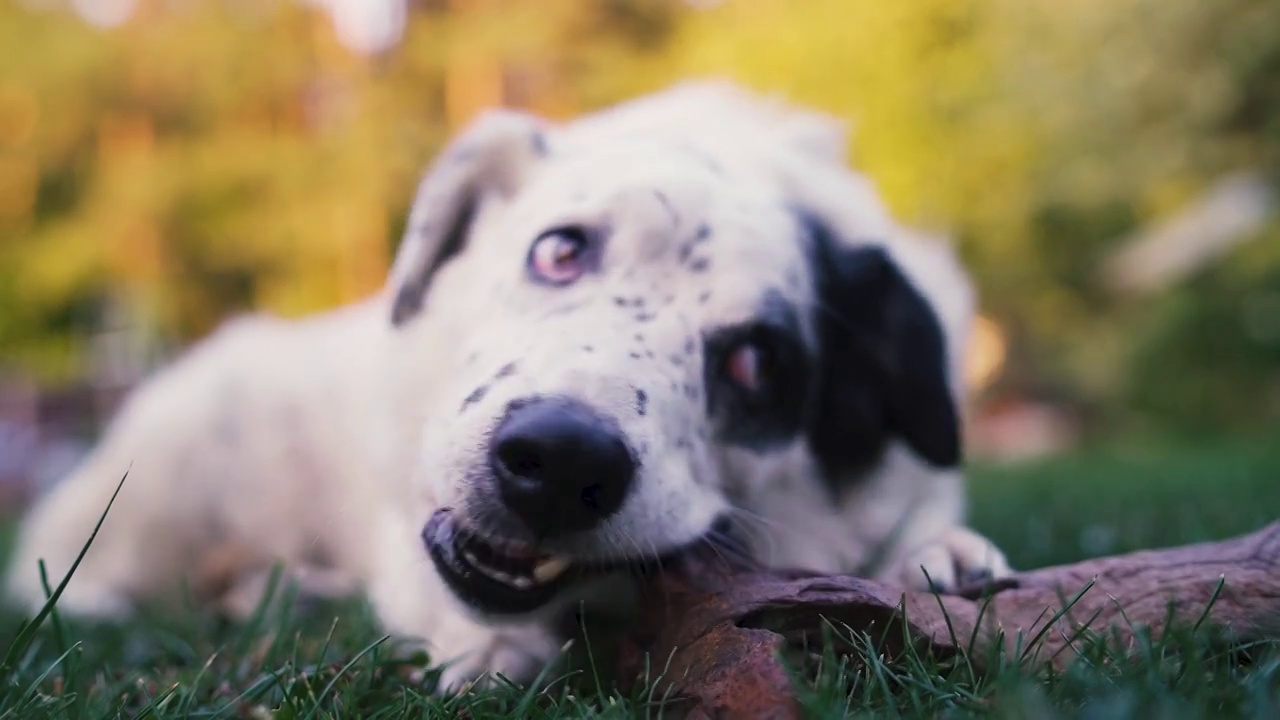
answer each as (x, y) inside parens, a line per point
(474, 656)
(929, 546)
(957, 557)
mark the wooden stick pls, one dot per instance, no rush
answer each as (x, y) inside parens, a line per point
(717, 630)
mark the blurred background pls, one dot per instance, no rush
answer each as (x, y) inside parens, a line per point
(1108, 168)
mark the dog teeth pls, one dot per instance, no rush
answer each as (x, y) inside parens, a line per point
(543, 572)
(515, 581)
(550, 569)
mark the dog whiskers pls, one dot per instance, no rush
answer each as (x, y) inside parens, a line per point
(729, 547)
(753, 530)
(657, 556)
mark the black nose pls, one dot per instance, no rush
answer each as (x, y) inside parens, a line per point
(560, 467)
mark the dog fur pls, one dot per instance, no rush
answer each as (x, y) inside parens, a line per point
(326, 444)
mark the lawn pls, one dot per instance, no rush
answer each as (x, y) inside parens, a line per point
(333, 662)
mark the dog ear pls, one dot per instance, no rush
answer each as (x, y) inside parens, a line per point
(491, 157)
(884, 360)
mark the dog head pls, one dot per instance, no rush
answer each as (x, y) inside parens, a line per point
(644, 323)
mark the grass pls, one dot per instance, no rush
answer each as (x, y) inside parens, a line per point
(333, 661)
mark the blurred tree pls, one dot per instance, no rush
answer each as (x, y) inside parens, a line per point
(1042, 135)
(211, 156)
(1206, 355)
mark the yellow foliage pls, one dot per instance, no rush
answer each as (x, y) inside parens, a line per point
(205, 158)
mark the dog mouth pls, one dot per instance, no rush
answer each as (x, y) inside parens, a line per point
(498, 577)
(502, 577)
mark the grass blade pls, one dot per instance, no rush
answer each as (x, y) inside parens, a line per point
(28, 631)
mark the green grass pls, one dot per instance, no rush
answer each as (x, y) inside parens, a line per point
(333, 662)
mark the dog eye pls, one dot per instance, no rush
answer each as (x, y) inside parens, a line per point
(747, 366)
(558, 257)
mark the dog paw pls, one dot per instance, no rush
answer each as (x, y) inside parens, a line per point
(518, 658)
(956, 559)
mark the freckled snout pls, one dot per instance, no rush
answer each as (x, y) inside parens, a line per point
(560, 467)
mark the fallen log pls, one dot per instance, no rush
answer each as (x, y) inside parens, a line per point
(714, 630)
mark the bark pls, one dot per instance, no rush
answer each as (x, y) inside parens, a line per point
(713, 632)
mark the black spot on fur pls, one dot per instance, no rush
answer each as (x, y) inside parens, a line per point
(538, 142)
(676, 360)
(642, 402)
(690, 392)
(505, 371)
(703, 297)
(699, 265)
(690, 347)
(649, 354)
(476, 396)
(667, 206)
(644, 317)
(639, 337)
(588, 348)
(883, 366)
(702, 234)
(636, 355)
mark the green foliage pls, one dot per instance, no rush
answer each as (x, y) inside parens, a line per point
(220, 157)
(209, 156)
(1041, 135)
(1128, 496)
(1206, 355)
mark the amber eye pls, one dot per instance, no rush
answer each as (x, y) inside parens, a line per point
(559, 256)
(746, 366)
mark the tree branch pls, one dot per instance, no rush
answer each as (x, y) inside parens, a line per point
(717, 629)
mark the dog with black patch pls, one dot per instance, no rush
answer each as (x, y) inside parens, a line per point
(678, 321)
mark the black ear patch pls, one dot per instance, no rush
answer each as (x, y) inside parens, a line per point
(883, 359)
(410, 298)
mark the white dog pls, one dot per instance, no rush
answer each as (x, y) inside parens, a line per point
(603, 342)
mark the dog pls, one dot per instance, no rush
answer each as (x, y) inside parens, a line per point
(602, 343)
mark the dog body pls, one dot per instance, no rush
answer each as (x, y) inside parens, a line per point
(244, 451)
(602, 343)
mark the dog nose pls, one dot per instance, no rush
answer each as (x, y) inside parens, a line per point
(560, 467)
